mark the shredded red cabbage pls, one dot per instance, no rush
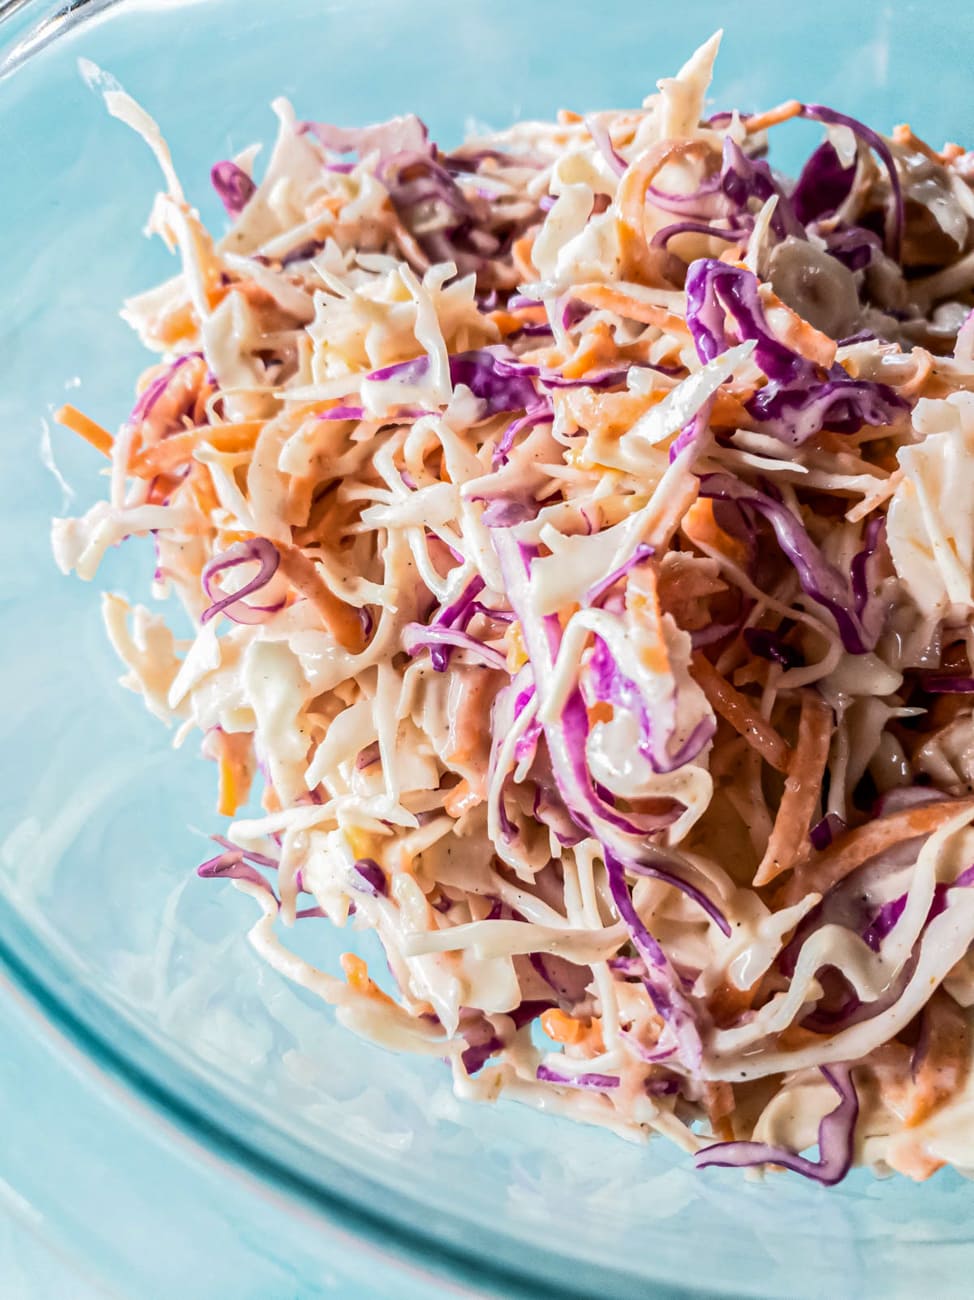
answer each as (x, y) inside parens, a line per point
(605, 146)
(733, 234)
(260, 859)
(440, 640)
(947, 684)
(595, 593)
(596, 1082)
(858, 628)
(231, 866)
(799, 399)
(606, 682)
(233, 185)
(894, 216)
(147, 400)
(823, 185)
(369, 878)
(256, 550)
(824, 832)
(770, 645)
(670, 876)
(568, 980)
(661, 981)
(856, 248)
(836, 1138)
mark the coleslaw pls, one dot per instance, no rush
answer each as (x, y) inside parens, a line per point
(578, 532)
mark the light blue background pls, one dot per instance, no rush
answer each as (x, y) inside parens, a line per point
(98, 1201)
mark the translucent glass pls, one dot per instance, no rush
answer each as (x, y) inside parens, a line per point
(102, 921)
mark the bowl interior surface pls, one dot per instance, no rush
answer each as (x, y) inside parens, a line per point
(102, 823)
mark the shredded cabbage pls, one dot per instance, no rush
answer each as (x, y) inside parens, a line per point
(578, 532)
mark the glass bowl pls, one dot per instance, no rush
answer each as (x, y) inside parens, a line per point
(103, 924)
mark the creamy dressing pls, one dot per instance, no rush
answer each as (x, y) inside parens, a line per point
(529, 689)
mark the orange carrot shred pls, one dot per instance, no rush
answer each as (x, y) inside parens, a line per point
(803, 786)
(357, 974)
(606, 298)
(818, 872)
(944, 1061)
(342, 620)
(179, 448)
(234, 771)
(71, 418)
(741, 713)
(562, 1028)
(640, 261)
(773, 116)
(700, 525)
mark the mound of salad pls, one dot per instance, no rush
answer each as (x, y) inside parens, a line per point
(578, 531)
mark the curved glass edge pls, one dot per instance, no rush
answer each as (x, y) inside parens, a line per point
(149, 1075)
(27, 26)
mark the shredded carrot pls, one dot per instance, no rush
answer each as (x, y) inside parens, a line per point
(741, 713)
(521, 257)
(719, 1103)
(509, 322)
(461, 799)
(773, 116)
(819, 872)
(199, 484)
(598, 349)
(796, 332)
(904, 137)
(177, 325)
(179, 448)
(701, 526)
(362, 843)
(205, 392)
(642, 602)
(605, 297)
(162, 488)
(794, 1037)
(607, 415)
(803, 786)
(944, 1059)
(751, 672)
(728, 1003)
(517, 655)
(234, 766)
(906, 1156)
(727, 410)
(71, 418)
(357, 974)
(562, 1028)
(342, 620)
(566, 117)
(640, 261)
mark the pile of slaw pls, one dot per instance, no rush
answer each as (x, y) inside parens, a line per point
(578, 532)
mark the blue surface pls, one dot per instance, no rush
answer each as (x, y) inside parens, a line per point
(280, 1127)
(97, 1200)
